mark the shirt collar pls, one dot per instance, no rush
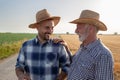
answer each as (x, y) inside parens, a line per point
(37, 40)
(91, 45)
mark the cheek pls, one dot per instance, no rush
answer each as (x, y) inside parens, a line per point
(76, 30)
(40, 30)
(52, 31)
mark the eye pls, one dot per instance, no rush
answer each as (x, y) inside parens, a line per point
(52, 28)
(46, 27)
(49, 27)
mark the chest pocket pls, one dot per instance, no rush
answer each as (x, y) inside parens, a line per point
(51, 58)
(86, 65)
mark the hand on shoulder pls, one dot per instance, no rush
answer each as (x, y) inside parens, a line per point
(59, 40)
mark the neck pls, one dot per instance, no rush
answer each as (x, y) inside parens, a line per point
(89, 40)
(41, 40)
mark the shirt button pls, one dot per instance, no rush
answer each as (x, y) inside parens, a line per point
(83, 65)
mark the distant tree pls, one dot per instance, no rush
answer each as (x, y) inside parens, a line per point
(67, 33)
(100, 34)
(115, 33)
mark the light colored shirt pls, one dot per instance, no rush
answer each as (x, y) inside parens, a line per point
(43, 61)
(92, 62)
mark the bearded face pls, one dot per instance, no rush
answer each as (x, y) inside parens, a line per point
(83, 31)
(45, 29)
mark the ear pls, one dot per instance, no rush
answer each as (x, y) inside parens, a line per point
(91, 28)
(94, 29)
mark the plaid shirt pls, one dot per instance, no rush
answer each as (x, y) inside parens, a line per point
(43, 61)
(92, 62)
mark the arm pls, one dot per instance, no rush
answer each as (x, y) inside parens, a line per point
(62, 76)
(104, 68)
(20, 64)
(61, 41)
(66, 55)
(64, 60)
(21, 74)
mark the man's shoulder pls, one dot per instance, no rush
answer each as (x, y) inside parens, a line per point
(29, 42)
(102, 50)
(55, 44)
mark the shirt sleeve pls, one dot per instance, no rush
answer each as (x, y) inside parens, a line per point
(64, 59)
(104, 68)
(20, 59)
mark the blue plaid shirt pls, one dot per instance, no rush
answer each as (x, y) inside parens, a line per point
(92, 62)
(43, 61)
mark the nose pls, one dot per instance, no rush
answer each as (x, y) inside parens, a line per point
(76, 30)
(50, 30)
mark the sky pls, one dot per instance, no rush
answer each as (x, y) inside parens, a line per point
(16, 15)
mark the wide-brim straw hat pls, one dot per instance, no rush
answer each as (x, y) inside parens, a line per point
(90, 17)
(43, 15)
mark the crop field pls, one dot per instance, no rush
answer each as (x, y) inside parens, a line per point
(11, 42)
(111, 41)
(13, 37)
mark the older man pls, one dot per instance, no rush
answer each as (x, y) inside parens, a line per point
(40, 58)
(93, 60)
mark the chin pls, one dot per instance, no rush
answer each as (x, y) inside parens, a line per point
(47, 38)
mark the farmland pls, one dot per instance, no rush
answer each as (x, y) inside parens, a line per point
(111, 41)
(13, 37)
(11, 42)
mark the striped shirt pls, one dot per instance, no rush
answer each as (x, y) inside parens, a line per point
(43, 61)
(92, 62)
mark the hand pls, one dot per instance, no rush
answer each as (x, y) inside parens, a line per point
(62, 76)
(24, 77)
(61, 41)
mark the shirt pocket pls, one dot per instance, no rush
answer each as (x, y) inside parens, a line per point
(86, 65)
(51, 58)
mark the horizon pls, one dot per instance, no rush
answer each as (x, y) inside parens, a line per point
(67, 33)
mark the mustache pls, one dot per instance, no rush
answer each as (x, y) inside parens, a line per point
(48, 33)
(79, 34)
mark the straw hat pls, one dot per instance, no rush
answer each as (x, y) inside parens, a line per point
(90, 17)
(43, 15)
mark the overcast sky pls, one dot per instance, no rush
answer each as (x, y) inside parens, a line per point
(16, 15)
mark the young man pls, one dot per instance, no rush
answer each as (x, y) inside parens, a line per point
(41, 58)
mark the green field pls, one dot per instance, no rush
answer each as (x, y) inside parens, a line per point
(13, 37)
(11, 42)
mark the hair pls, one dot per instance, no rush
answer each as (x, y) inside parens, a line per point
(96, 28)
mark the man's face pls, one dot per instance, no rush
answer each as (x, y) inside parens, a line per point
(83, 31)
(45, 29)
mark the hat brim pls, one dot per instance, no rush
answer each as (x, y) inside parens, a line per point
(56, 20)
(100, 25)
